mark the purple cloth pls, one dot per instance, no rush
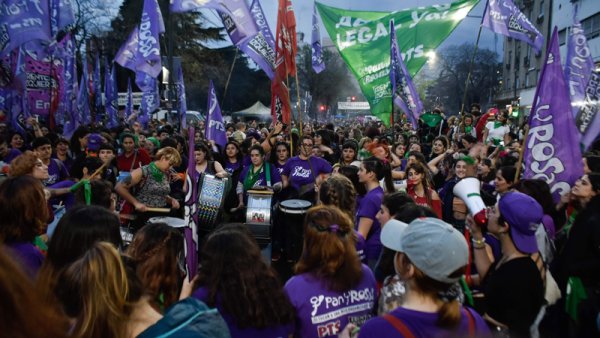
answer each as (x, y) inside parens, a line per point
(360, 247)
(231, 167)
(503, 17)
(318, 64)
(29, 257)
(249, 332)
(147, 55)
(215, 128)
(423, 324)
(368, 208)
(262, 177)
(57, 172)
(298, 171)
(12, 153)
(279, 167)
(321, 312)
(552, 152)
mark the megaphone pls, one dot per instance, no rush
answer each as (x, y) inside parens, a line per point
(468, 190)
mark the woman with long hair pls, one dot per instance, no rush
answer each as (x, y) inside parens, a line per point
(152, 183)
(505, 178)
(419, 189)
(496, 132)
(232, 157)
(431, 256)
(259, 174)
(23, 216)
(328, 272)
(157, 250)
(370, 173)
(280, 155)
(235, 279)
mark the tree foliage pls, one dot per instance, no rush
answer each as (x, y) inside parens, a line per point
(449, 87)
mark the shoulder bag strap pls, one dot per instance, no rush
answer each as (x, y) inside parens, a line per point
(399, 325)
(134, 158)
(471, 320)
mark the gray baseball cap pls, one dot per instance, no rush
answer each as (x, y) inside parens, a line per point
(433, 246)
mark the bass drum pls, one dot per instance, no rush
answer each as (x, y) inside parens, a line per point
(291, 216)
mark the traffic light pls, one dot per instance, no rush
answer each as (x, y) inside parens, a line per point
(353, 98)
(322, 108)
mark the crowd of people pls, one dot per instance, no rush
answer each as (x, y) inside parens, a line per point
(388, 247)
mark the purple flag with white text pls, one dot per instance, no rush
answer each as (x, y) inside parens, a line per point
(215, 128)
(552, 151)
(147, 57)
(71, 120)
(404, 92)
(129, 104)
(150, 97)
(318, 63)
(111, 95)
(190, 213)
(61, 15)
(181, 98)
(126, 54)
(261, 46)
(503, 17)
(584, 84)
(22, 21)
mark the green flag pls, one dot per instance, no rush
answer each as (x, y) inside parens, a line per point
(362, 39)
(431, 119)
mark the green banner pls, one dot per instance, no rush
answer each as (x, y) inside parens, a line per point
(362, 39)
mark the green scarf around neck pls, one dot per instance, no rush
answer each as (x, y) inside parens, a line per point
(252, 177)
(155, 172)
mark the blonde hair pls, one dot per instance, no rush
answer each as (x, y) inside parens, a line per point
(94, 291)
(170, 154)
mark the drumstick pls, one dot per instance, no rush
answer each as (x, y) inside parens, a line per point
(99, 170)
(158, 209)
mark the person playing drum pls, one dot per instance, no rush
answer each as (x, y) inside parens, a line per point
(259, 175)
(305, 172)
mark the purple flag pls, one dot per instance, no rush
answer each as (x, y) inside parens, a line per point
(215, 128)
(111, 95)
(61, 15)
(97, 82)
(147, 56)
(552, 151)
(503, 17)
(18, 115)
(126, 54)
(22, 21)
(404, 93)
(150, 97)
(83, 98)
(584, 84)
(190, 212)
(129, 104)
(181, 98)
(71, 120)
(318, 63)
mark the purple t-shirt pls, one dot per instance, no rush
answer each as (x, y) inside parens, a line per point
(279, 166)
(12, 153)
(28, 256)
(321, 312)
(231, 167)
(422, 324)
(57, 172)
(368, 208)
(282, 331)
(262, 177)
(299, 173)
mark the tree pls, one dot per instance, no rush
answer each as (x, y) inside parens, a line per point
(330, 85)
(449, 87)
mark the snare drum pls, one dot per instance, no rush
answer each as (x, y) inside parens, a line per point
(173, 222)
(291, 215)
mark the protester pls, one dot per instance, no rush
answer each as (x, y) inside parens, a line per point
(329, 269)
(419, 188)
(259, 174)
(132, 157)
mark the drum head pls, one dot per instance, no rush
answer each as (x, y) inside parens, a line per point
(295, 206)
(170, 221)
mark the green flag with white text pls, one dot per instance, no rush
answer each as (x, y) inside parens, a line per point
(362, 38)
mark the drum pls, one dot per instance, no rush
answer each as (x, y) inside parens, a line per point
(258, 215)
(210, 199)
(173, 222)
(291, 215)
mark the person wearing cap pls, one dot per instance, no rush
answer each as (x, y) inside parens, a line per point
(513, 285)
(331, 287)
(431, 256)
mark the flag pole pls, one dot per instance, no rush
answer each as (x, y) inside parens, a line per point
(462, 107)
(298, 104)
(229, 76)
(521, 154)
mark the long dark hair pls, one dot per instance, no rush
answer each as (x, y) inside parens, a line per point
(382, 170)
(233, 271)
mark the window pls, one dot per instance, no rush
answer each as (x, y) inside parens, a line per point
(591, 26)
(517, 82)
(562, 36)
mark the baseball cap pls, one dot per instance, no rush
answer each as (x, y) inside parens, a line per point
(432, 245)
(252, 133)
(94, 141)
(391, 232)
(524, 215)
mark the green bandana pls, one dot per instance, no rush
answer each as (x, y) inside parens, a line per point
(468, 129)
(155, 172)
(497, 124)
(252, 177)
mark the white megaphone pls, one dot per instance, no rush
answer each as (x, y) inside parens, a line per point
(468, 190)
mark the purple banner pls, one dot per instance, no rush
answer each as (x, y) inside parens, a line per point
(404, 92)
(181, 98)
(83, 97)
(584, 84)
(18, 115)
(261, 46)
(147, 56)
(61, 15)
(71, 120)
(22, 21)
(41, 83)
(190, 212)
(552, 151)
(111, 95)
(215, 128)
(503, 17)
(318, 63)
(150, 98)
(126, 54)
